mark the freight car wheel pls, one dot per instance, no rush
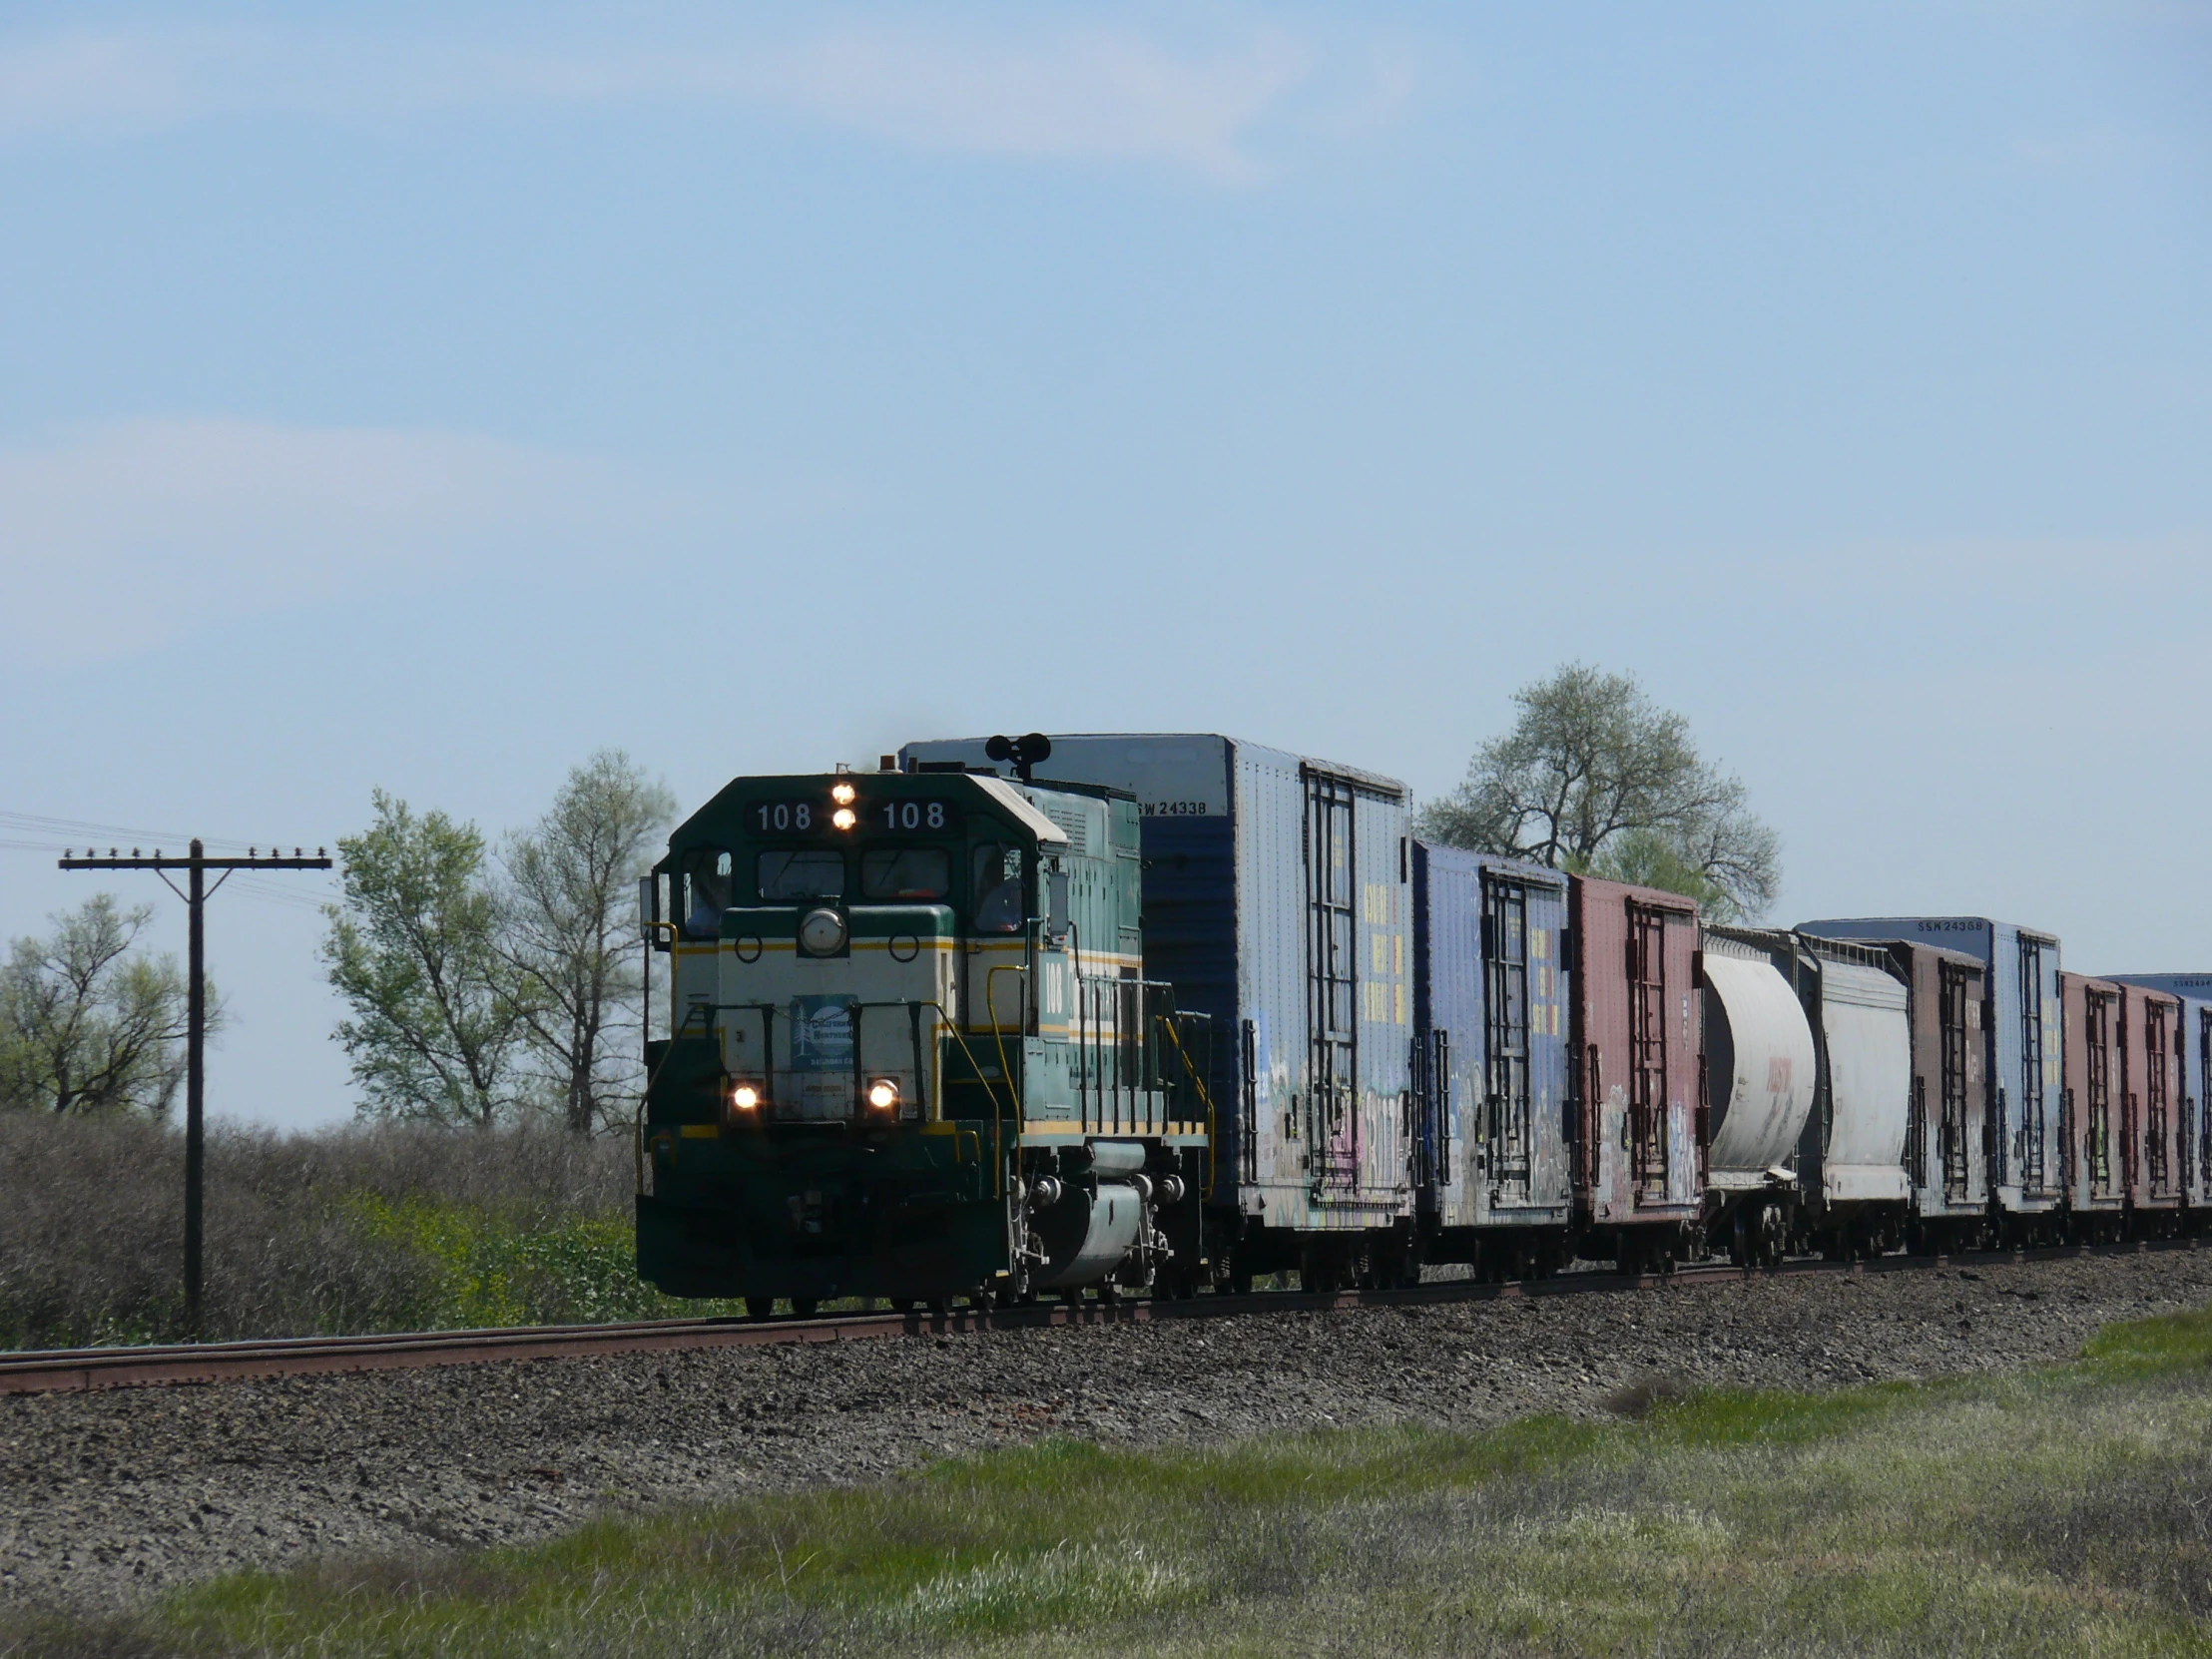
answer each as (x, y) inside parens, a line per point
(802, 1307)
(759, 1307)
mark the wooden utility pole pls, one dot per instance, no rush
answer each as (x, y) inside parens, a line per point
(196, 893)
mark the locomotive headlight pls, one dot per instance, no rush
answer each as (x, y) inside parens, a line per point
(883, 1094)
(745, 1097)
(843, 795)
(844, 818)
(821, 933)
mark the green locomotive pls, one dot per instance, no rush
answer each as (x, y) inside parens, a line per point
(913, 1053)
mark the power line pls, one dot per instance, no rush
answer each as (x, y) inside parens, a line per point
(79, 829)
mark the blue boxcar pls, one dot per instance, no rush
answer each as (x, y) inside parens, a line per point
(1277, 901)
(2195, 1046)
(2023, 1044)
(1492, 1033)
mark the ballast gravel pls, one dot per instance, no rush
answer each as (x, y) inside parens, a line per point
(108, 1497)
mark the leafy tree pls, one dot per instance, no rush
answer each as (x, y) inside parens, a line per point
(571, 933)
(1596, 778)
(87, 1024)
(438, 1018)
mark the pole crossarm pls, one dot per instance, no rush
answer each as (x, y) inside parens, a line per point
(162, 862)
(196, 864)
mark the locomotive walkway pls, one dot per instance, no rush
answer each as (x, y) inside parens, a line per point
(52, 1371)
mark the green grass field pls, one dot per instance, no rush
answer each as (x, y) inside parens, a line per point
(2067, 1510)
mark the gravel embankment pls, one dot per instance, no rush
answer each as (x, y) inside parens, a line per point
(107, 1497)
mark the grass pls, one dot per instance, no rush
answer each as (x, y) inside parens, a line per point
(2065, 1510)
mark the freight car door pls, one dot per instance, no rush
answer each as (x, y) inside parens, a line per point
(2096, 1139)
(1953, 981)
(1505, 1107)
(1647, 1036)
(2155, 1101)
(2028, 1153)
(1331, 952)
(2202, 1142)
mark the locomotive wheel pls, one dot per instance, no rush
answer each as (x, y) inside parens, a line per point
(942, 1307)
(802, 1307)
(759, 1307)
(903, 1305)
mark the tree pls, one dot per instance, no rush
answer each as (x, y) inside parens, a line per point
(438, 1018)
(1597, 779)
(87, 1024)
(571, 933)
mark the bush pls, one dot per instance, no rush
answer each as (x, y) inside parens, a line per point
(369, 1228)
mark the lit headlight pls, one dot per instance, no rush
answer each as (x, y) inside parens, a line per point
(844, 818)
(883, 1094)
(745, 1097)
(843, 795)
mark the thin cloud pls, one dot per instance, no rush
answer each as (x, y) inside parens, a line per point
(1068, 95)
(136, 533)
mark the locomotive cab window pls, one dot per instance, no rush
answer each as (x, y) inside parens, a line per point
(906, 873)
(995, 887)
(789, 877)
(707, 882)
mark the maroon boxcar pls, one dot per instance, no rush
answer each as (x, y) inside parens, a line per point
(2151, 1116)
(2092, 1105)
(1638, 1025)
(1946, 1146)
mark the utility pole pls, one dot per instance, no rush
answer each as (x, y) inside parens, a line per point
(196, 893)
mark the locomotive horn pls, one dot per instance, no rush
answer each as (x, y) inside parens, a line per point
(1024, 752)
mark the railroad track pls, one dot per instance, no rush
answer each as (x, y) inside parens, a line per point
(53, 1371)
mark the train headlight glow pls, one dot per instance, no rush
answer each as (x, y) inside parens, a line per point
(745, 1097)
(844, 793)
(844, 818)
(883, 1094)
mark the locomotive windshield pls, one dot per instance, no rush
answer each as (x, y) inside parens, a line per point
(906, 873)
(787, 878)
(996, 887)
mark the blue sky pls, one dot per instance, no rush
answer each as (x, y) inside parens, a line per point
(422, 397)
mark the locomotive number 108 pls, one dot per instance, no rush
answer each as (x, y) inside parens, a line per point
(806, 816)
(912, 815)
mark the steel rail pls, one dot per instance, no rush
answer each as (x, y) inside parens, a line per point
(58, 1371)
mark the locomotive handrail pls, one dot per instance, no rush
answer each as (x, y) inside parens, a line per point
(998, 1026)
(1005, 1066)
(999, 1160)
(1205, 1095)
